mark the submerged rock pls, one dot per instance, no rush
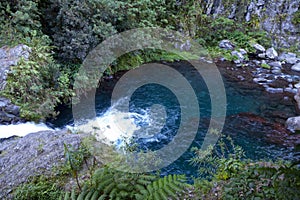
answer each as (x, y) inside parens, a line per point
(34, 154)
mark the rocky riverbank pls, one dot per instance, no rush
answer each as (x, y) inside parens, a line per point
(33, 155)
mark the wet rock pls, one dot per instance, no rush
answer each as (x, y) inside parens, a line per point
(226, 44)
(296, 67)
(9, 113)
(260, 80)
(275, 64)
(274, 90)
(276, 71)
(271, 53)
(259, 48)
(34, 154)
(293, 124)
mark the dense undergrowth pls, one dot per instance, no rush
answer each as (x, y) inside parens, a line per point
(223, 173)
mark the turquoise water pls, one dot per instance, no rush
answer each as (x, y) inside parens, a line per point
(239, 100)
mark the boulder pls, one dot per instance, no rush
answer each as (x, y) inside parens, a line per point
(10, 57)
(289, 58)
(32, 155)
(226, 44)
(271, 53)
(296, 67)
(259, 48)
(275, 64)
(293, 124)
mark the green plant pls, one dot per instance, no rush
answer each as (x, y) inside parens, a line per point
(264, 180)
(38, 85)
(266, 66)
(110, 184)
(220, 161)
(39, 188)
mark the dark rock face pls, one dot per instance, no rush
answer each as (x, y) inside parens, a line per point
(9, 113)
(34, 154)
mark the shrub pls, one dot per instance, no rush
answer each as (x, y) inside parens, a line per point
(38, 85)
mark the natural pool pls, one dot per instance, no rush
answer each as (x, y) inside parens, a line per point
(246, 109)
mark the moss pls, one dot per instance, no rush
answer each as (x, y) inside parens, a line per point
(296, 18)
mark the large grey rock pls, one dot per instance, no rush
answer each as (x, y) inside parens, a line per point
(296, 67)
(226, 44)
(289, 58)
(10, 57)
(275, 64)
(34, 154)
(293, 124)
(271, 53)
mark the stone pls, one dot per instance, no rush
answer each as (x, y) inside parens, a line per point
(276, 71)
(289, 58)
(297, 85)
(271, 53)
(296, 67)
(259, 80)
(275, 64)
(226, 44)
(261, 55)
(297, 98)
(19, 51)
(243, 51)
(34, 154)
(293, 124)
(260, 3)
(259, 48)
(238, 54)
(274, 90)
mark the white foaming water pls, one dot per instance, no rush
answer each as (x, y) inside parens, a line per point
(21, 129)
(116, 127)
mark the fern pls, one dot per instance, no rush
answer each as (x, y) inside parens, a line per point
(110, 184)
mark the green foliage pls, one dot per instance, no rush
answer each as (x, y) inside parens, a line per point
(37, 85)
(110, 184)
(264, 180)
(220, 161)
(78, 26)
(40, 188)
(296, 18)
